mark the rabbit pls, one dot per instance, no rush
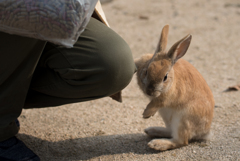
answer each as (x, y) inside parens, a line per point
(178, 92)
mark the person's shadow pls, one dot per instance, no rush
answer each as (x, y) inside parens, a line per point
(88, 147)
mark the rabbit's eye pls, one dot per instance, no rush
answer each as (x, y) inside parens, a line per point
(165, 78)
(146, 72)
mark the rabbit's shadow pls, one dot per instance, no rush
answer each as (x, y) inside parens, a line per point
(88, 147)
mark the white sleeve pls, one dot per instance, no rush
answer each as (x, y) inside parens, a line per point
(58, 21)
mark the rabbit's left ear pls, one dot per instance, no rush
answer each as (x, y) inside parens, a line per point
(179, 49)
(162, 44)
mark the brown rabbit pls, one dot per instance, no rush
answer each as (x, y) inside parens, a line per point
(178, 91)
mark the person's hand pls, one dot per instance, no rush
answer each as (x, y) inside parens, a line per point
(105, 1)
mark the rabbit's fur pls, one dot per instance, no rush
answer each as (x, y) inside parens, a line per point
(178, 91)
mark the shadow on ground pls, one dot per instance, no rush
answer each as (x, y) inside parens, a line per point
(89, 147)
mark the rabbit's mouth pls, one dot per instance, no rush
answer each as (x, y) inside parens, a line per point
(154, 93)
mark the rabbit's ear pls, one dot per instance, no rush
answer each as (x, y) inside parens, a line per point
(162, 44)
(179, 49)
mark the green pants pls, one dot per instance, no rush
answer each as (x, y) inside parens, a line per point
(36, 74)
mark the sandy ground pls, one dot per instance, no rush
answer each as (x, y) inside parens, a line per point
(107, 130)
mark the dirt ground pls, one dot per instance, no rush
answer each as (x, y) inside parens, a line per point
(105, 130)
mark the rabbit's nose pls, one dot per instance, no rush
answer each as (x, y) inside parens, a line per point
(150, 90)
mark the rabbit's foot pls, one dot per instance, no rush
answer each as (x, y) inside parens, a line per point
(162, 144)
(158, 132)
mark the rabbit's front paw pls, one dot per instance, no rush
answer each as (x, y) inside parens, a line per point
(161, 144)
(148, 112)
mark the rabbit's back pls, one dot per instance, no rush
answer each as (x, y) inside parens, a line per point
(190, 84)
(193, 93)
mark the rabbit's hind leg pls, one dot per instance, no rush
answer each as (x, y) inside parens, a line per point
(180, 138)
(162, 144)
(167, 144)
(158, 132)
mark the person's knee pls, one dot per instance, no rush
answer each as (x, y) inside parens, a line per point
(118, 65)
(113, 55)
